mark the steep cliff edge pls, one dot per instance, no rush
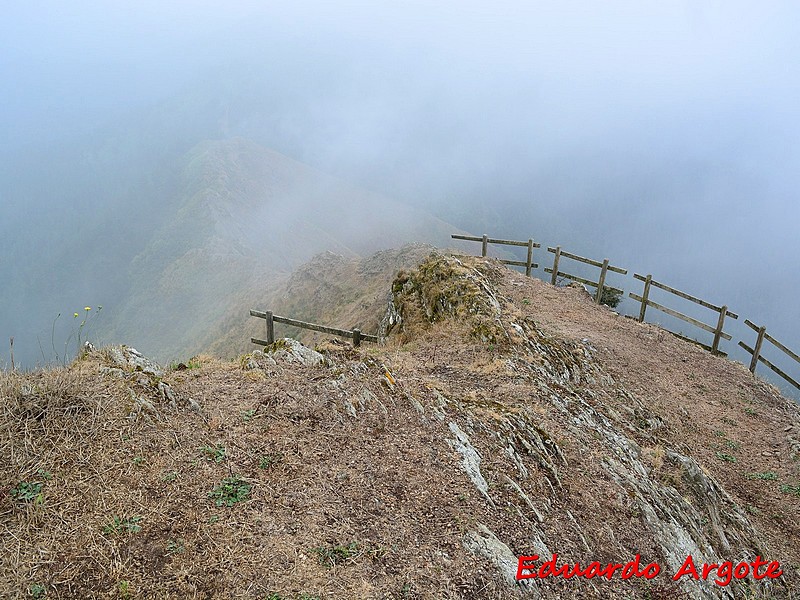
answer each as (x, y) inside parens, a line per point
(504, 417)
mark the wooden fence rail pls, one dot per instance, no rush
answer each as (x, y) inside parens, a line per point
(756, 352)
(485, 241)
(271, 319)
(600, 284)
(644, 299)
(721, 310)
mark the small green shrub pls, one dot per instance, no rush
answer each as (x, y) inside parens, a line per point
(230, 491)
(610, 297)
(37, 590)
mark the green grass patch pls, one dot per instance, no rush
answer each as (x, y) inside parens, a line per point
(794, 490)
(267, 460)
(28, 491)
(230, 491)
(726, 457)
(215, 453)
(766, 476)
(123, 525)
(333, 555)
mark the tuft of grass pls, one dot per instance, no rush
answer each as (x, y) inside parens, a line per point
(248, 414)
(333, 555)
(230, 491)
(766, 476)
(169, 476)
(726, 457)
(123, 525)
(791, 489)
(37, 590)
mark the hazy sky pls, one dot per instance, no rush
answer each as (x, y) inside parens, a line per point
(665, 135)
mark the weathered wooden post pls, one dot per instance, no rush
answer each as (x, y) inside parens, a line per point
(757, 350)
(356, 337)
(554, 278)
(645, 294)
(270, 328)
(601, 283)
(718, 330)
(485, 245)
(529, 260)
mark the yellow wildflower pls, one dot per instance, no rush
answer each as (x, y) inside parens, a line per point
(75, 315)
(87, 308)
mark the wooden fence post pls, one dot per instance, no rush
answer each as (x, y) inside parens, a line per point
(718, 330)
(601, 283)
(645, 294)
(356, 337)
(555, 265)
(270, 328)
(485, 245)
(529, 260)
(757, 350)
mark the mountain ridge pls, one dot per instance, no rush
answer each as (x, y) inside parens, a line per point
(504, 418)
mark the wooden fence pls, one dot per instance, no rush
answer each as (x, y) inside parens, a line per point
(356, 335)
(485, 241)
(644, 300)
(756, 352)
(600, 284)
(722, 311)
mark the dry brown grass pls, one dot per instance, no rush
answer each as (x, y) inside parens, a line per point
(373, 505)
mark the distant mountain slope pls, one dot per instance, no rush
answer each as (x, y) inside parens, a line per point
(246, 217)
(330, 289)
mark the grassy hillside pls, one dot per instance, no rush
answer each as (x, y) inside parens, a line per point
(503, 417)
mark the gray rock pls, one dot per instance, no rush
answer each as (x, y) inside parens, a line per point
(292, 351)
(471, 459)
(130, 359)
(484, 543)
